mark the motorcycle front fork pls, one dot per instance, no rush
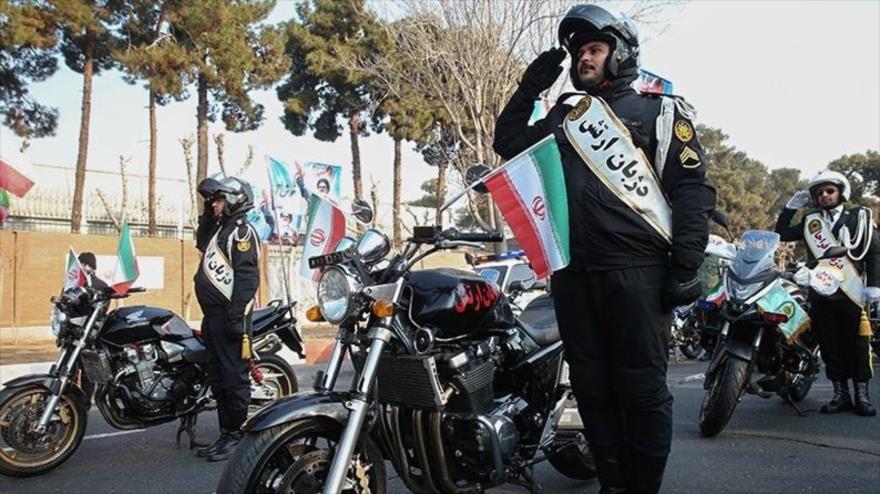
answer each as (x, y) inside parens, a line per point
(358, 405)
(61, 372)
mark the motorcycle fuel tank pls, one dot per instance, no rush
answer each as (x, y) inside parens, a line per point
(140, 324)
(457, 302)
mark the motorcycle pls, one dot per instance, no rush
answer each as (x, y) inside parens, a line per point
(457, 392)
(141, 366)
(765, 330)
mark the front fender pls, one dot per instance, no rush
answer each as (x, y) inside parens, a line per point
(50, 384)
(298, 406)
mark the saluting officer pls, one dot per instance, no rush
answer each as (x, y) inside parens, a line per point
(838, 318)
(225, 285)
(639, 204)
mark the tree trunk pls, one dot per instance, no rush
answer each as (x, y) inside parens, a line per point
(151, 174)
(396, 201)
(82, 156)
(441, 190)
(354, 128)
(202, 118)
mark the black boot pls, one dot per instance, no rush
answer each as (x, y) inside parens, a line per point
(211, 448)
(841, 401)
(645, 474)
(227, 447)
(863, 401)
(610, 472)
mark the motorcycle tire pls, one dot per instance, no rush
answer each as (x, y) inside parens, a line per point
(691, 350)
(723, 396)
(575, 462)
(279, 374)
(69, 407)
(264, 461)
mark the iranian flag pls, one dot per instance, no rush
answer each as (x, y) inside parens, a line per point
(4, 205)
(530, 192)
(326, 226)
(74, 276)
(126, 271)
(13, 181)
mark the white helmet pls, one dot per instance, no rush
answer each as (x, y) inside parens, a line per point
(830, 177)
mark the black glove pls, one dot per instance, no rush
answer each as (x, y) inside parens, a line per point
(681, 292)
(542, 72)
(234, 329)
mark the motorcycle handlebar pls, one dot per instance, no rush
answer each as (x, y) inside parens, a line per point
(472, 237)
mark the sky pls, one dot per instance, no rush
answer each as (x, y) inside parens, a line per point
(794, 84)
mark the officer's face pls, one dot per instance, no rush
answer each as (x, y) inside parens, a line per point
(591, 62)
(218, 204)
(828, 195)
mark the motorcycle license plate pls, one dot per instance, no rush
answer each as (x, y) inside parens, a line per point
(326, 260)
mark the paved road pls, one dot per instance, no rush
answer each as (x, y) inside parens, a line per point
(766, 448)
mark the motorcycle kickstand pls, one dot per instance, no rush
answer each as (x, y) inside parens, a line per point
(188, 425)
(792, 404)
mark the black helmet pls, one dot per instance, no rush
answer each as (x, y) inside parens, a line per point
(238, 193)
(585, 23)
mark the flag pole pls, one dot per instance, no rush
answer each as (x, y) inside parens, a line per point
(277, 226)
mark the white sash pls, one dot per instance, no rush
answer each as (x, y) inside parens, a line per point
(817, 232)
(606, 146)
(217, 268)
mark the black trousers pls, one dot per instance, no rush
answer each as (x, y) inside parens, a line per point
(615, 333)
(228, 373)
(846, 354)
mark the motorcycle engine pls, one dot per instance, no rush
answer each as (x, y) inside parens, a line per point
(150, 384)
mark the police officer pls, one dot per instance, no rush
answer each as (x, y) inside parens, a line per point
(634, 253)
(225, 285)
(837, 315)
(90, 265)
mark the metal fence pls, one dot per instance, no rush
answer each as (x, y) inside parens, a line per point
(93, 227)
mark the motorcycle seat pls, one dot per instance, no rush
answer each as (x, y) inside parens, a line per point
(538, 320)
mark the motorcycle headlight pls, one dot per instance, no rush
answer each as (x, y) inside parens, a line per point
(335, 292)
(739, 291)
(57, 320)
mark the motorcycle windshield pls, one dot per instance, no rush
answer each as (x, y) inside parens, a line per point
(755, 254)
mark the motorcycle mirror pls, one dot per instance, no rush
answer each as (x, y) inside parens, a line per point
(834, 252)
(373, 246)
(474, 174)
(719, 218)
(362, 210)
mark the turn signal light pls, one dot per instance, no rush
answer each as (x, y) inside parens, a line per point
(383, 308)
(313, 314)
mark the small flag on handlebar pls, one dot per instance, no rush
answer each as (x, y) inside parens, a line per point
(127, 270)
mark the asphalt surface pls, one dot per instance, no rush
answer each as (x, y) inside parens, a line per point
(766, 448)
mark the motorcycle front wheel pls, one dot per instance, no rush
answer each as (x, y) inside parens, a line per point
(279, 380)
(295, 458)
(24, 452)
(722, 397)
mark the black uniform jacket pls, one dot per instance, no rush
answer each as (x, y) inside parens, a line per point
(243, 256)
(604, 232)
(869, 265)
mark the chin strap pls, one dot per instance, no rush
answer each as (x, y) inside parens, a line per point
(865, 229)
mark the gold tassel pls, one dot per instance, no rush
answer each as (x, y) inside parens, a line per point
(864, 325)
(246, 347)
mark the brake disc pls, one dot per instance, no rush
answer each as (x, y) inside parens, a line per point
(309, 473)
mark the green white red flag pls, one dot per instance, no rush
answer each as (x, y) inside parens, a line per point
(326, 227)
(74, 276)
(530, 192)
(13, 181)
(4, 205)
(126, 271)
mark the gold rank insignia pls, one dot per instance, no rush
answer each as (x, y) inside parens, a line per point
(689, 158)
(814, 226)
(684, 131)
(581, 108)
(243, 246)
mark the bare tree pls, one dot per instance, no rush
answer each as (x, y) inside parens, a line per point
(467, 57)
(187, 144)
(117, 216)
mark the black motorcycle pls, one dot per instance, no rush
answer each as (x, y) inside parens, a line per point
(141, 366)
(457, 392)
